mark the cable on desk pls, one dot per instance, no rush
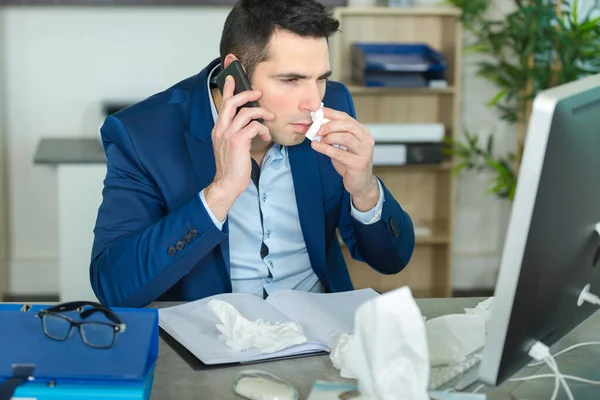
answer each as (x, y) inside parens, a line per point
(541, 352)
(478, 388)
(575, 346)
(541, 376)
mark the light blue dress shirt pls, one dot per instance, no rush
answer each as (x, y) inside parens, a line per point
(287, 266)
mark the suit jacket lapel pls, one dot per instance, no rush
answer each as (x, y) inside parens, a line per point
(306, 175)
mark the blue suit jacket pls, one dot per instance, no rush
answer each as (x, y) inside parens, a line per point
(154, 240)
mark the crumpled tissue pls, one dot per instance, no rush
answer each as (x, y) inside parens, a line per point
(482, 308)
(319, 119)
(242, 334)
(388, 352)
(338, 353)
(452, 338)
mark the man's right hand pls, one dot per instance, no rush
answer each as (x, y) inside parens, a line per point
(231, 138)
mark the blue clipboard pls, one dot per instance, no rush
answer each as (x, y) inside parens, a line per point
(70, 369)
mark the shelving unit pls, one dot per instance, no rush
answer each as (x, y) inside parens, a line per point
(426, 192)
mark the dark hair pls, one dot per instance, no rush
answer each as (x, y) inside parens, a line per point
(251, 23)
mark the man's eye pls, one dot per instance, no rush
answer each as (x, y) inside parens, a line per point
(292, 80)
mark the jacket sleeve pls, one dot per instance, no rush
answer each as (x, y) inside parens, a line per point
(386, 245)
(139, 250)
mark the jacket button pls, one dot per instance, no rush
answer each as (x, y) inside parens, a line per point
(172, 251)
(186, 239)
(193, 233)
(179, 245)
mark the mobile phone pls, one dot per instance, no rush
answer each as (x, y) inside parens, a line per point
(242, 82)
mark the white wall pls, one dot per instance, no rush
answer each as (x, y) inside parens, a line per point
(60, 63)
(3, 205)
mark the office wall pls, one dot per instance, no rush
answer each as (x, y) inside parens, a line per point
(60, 63)
(3, 205)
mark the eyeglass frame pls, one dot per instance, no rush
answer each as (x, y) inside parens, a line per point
(117, 323)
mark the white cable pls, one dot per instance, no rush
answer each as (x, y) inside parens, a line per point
(542, 376)
(536, 363)
(478, 388)
(556, 385)
(554, 367)
(541, 352)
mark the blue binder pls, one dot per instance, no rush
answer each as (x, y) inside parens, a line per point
(70, 369)
(396, 64)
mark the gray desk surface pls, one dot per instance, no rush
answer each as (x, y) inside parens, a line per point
(54, 151)
(174, 379)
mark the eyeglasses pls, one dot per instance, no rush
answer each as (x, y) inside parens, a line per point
(96, 334)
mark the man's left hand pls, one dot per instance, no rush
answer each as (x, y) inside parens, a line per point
(355, 164)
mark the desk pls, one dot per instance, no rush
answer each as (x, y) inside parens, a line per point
(174, 379)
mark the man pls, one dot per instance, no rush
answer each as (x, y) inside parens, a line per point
(199, 200)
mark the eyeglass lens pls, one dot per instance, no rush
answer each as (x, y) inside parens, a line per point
(97, 335)
(94, 334)
(56, 327)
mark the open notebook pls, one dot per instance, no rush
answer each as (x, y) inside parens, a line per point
(322, 317)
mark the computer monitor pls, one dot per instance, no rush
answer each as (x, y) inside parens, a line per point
(552, 248)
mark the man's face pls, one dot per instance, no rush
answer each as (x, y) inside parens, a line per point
(292, 82)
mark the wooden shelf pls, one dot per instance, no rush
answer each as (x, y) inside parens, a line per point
(426, 192)
(439, 235)
(374, 90)
(400, 11)
(443, 167)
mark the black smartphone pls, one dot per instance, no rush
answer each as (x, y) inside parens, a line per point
(242, 82)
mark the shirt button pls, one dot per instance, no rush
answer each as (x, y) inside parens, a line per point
(271, 263)
(264, 197)
(268, 234)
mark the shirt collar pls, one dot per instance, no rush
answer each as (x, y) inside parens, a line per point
(212, 76)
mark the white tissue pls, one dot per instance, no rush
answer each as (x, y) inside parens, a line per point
(338, 354)
(452, 338)
(318, 120)
(242, 334)
(482, 308)
(388, 353)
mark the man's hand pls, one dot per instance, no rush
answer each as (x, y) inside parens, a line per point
(355, 164)
(231, 138)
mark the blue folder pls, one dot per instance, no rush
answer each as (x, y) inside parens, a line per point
(396, 64)
(72, 370)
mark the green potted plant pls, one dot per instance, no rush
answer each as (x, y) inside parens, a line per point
(539, 45)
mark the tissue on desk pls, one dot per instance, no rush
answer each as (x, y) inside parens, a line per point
(388, 352)
(338, 354)
(242, 334)
(482, 308)
(452, 338)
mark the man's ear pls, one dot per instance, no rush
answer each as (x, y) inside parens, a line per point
(228, 59)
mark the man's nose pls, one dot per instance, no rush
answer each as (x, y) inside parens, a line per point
(312, 98)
